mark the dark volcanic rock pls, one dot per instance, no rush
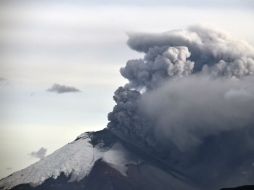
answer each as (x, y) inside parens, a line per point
(104, 177)
(246, 187)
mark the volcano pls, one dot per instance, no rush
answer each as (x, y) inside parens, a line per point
(184, 121)
(97, 160)
(101, 160)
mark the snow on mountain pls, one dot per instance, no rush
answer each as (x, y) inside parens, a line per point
(101, 160)
(74, 160)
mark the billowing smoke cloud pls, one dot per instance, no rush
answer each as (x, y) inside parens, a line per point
(185, 111)
(41, 153)
(60, 89)
(201, 51)
(158, 64)
(190, 99)
(204, 49)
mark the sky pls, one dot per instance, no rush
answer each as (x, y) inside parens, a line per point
(60, 61)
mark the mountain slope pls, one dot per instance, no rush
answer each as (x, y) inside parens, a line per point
(95, 161)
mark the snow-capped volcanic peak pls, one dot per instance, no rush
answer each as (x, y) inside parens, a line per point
(74, 160)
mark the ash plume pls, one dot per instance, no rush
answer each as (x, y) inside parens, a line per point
(191, 95)
(186, 111)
